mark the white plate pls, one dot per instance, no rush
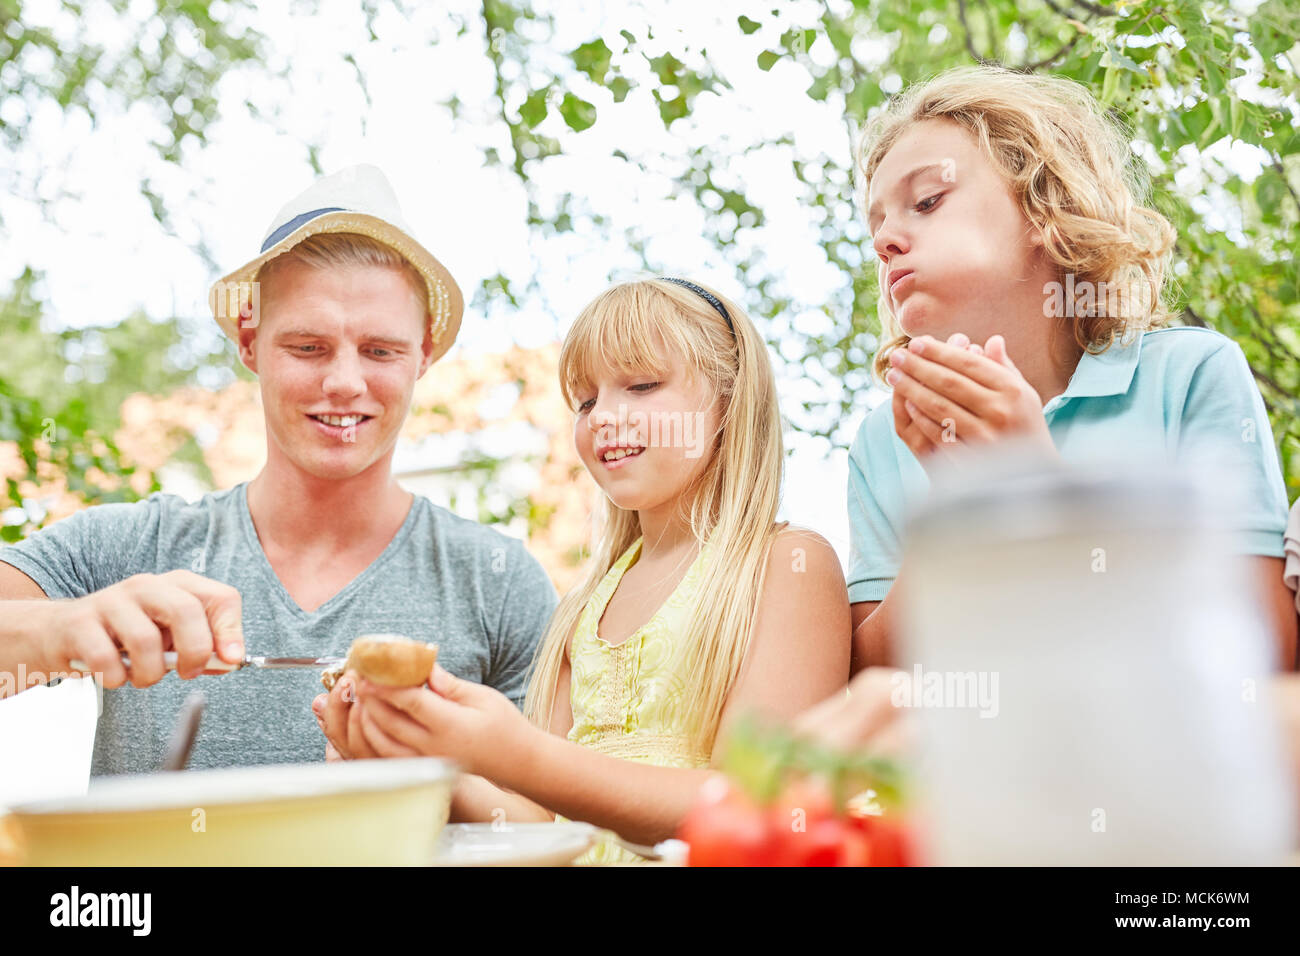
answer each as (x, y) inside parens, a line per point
(513, 844)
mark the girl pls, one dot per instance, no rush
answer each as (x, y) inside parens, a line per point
(1021, 281)
(699, 606)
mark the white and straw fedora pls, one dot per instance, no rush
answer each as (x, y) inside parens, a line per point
(357, 199)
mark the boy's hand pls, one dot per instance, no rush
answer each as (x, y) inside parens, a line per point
(863, 719)
(954, 393)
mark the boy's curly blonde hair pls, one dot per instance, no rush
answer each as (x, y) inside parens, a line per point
(1076, 178)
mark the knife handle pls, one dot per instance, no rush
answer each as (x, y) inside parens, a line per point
(215, 664)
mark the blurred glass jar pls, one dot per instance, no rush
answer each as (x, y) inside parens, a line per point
(1090, 663)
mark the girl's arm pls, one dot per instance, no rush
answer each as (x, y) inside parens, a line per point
(799, 654)
(801, 645)
(477, 799)
(482, 731)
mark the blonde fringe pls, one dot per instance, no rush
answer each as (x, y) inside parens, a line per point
(733, 505)
(1077, 180)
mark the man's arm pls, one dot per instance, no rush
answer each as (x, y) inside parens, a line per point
(16, 586)
(20, 606)
(41, 638)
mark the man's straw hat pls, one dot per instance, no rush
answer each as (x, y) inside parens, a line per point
(357, 199)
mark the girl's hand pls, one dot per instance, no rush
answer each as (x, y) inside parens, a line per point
(949, 394)
(474, 725)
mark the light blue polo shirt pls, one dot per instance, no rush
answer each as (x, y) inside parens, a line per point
(1182, 395)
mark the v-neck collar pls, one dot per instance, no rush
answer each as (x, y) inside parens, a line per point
(621, 566)
(255, 545)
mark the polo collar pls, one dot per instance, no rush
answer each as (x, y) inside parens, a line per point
(1106, 373)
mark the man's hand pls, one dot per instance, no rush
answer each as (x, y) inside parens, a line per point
(144, 616)
(954, 393)
(337, 717)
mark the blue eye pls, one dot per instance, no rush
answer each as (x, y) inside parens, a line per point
(928, 203)
(585, 406)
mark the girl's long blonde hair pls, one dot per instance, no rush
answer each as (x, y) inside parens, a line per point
(1074, 174)
(633, 328)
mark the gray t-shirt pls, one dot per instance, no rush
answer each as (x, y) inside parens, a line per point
(479, 594)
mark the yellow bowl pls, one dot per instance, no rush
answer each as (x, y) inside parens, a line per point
(348, 813)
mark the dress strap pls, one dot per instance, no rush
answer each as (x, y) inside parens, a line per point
(600, 598)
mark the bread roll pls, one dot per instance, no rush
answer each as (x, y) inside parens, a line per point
(386, 659)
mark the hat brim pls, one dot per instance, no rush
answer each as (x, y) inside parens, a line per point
(228, 295)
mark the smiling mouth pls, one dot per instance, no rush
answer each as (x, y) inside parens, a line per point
(618, 454)
(341, 421)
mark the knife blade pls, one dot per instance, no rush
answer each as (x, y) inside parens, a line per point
(216, 665)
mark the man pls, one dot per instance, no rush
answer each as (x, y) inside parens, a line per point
(339, 316)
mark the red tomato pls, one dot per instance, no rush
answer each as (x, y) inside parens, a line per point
(857, 847)
(726, 828)
(889, 840)
(803, 826)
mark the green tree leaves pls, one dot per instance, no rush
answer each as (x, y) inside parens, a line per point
(1190, 79)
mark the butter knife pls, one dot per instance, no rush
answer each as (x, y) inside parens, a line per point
(216, 665)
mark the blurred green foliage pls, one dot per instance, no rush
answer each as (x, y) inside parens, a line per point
(60, 391)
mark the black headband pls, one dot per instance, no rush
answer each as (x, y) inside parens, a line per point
(707, 296)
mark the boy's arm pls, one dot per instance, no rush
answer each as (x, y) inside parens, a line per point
(872, 640)
(1280, 607)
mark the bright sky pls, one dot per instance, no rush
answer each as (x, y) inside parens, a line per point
(104, 255)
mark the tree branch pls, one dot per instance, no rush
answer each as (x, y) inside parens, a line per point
(970, 41)
(1048, 61)
(499, 82)
(1095, 8)
(1281, 172)
(858, 76)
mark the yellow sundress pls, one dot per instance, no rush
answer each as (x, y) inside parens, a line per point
(630, 699)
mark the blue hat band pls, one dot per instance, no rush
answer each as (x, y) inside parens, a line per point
(294, 223)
